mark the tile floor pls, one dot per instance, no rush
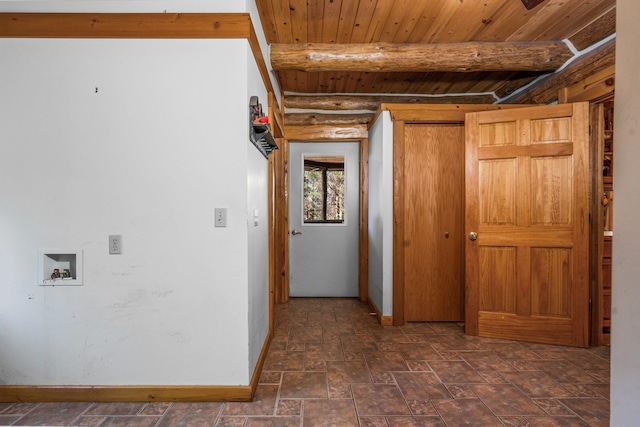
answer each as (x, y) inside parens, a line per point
(331, 364)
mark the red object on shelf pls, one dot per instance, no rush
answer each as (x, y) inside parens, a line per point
(264, 119)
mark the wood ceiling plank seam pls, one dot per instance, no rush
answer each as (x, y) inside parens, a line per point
(467, 21)
(265, 10)
(544, 15)
(505, 22)
(487, 82)
(346, 22)
(362, 21)
(487, 19)
(392, 25)
(429, 15)
(282, 17)
(354, 82)
(315, 14)
(331, 21)
(313, 83)
(410, 22)
(378, 20)
(442, 20)
(298, 13)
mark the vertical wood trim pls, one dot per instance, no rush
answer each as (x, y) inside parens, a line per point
(398, 222)
(523, 219)
(581, 226)
(364, 220)
(471, 223)
(272, 242)
(281, 219)
(273, 112)
(596, 230)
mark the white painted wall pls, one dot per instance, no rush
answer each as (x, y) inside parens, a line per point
(625, 335)
(149, 156)
(381, 213)
(258, 235)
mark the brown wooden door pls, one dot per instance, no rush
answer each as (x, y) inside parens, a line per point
(527, 198)
(434, 222)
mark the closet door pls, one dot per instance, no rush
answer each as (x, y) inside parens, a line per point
(434, 222)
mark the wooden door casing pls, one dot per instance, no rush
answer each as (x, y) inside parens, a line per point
(434, 222)
(527, 198)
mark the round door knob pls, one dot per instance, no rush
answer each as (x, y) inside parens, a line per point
(446, 234)
(473, 236)
(296, 232)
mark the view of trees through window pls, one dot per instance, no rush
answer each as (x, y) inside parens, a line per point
(323, 189)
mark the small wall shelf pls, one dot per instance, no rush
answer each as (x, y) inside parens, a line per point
(59, 267)
(259, 131)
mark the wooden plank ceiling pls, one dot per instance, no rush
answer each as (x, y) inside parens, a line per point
(426, 22)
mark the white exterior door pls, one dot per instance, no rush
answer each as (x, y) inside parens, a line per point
(323, 243)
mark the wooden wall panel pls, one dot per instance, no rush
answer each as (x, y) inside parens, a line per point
(551, 271)
(551, 177)
(498, 191)
(498, 266)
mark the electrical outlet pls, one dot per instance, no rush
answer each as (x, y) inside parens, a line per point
(115, 244)
(220, 217)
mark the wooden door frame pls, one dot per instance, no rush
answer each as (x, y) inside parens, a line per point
(402, 115)
(316, 133)
(594, 89)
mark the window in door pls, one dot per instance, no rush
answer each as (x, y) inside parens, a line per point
(323, 189)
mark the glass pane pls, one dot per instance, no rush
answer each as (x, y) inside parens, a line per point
(323, 189)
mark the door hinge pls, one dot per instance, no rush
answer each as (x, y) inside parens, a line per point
(589, 218)
(590, 306)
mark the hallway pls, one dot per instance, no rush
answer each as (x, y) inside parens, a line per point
(331, 364)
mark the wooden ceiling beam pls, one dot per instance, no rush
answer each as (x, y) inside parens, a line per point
(598, 30)
(546, 90)
(372, 102)
(306, 119)
(126, 25)
(406, 57)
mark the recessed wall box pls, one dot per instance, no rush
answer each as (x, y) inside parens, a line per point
(60, 267)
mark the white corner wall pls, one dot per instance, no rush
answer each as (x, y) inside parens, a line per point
(625, 334)
(258, 234)
(142, 138)
(381, 213)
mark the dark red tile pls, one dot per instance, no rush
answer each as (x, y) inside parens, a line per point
(506, 399)
(304, 385)
(200, 414)
(465, 412)
(593, 411)
(51, 413)
(330, 413)
(379, 399)
(452, 372)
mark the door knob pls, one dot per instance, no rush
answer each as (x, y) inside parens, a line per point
(446, 234)
(473, 236)
(296, 232)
